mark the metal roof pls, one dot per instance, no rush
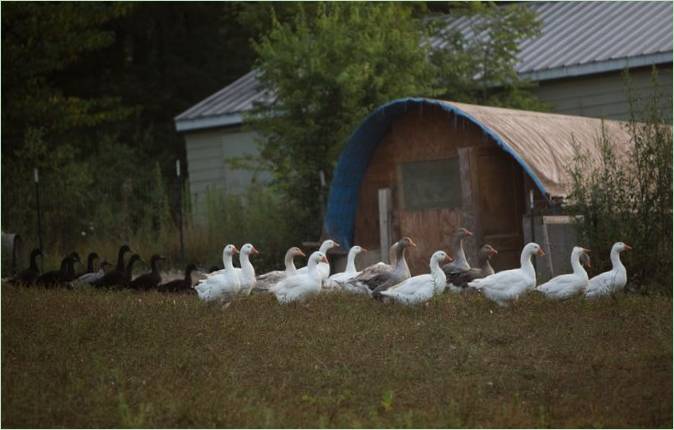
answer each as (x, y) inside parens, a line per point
(541, 143)
(224, 107)
(581, 38)
(577, 38)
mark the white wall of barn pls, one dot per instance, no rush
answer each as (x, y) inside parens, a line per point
(208, 152)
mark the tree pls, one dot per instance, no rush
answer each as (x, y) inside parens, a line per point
(328, 68)
(478, 66)
(333, 64)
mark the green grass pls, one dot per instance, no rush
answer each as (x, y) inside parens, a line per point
(120, 359)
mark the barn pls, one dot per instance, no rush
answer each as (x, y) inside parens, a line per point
(423, 167)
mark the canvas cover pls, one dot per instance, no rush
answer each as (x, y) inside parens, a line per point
(544, 142)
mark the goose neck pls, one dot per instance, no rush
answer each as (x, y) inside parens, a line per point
(615, 260)
(90, 264)
(227, 261)
(246, 265)
(576, 266)
(120, 259)
(401, 263)
(525, 262)
(154, 264)
(188, 274)
(351, 262)
(290, 262)
(438, 276)
(33, 261)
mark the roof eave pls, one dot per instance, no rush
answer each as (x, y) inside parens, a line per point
(227, 120)
(598, 67)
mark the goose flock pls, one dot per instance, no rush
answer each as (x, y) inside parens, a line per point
(381, 281)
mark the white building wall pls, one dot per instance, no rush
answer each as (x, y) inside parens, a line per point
(209, 156)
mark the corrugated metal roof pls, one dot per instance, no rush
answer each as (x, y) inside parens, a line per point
(541, 143)
(577, 38)
(234, 99)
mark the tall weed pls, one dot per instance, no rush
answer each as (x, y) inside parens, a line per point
(630, 200)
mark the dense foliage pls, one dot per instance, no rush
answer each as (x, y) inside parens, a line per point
(333, 64)
(89, 92)
(628, 197)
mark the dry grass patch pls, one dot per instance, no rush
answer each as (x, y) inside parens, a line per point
(110, 359)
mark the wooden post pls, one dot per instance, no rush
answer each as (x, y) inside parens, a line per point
(384, 195)
(36, 177)
(533, 226)
(468, 205)
(180, 210)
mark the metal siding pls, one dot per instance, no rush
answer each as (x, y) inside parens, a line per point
(604, 95)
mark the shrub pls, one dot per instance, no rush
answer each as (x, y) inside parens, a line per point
(630, 201)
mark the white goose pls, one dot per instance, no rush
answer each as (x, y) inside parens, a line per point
(301, 285)
(508, 285)
(269, 279)
(421, 288)
(246, 272)
(565, 286)
(323, 267)
(223, 286)
(333, 282)
(612, 281)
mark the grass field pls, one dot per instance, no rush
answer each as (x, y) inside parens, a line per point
(111, 359)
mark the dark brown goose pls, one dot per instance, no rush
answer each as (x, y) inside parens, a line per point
(180, 285)
(29, 275)
(116, 276)
(149, 281)
(62, 276)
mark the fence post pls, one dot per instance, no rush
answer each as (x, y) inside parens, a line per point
(36, 178)
(180, 210)
(533, 227)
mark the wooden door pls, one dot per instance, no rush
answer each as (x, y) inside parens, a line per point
(500, 205)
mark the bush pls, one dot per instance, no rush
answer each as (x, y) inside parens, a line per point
(630, 201)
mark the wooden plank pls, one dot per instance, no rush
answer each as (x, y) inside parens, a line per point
(469, 212)
(385, 209)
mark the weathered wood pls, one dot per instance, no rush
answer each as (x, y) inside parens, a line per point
(433, 134)
(385, 208)
(469, 212)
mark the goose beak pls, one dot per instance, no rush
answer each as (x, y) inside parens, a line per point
(301, 253)
(255, 251)
(412, 243)
(468, 233)
(363, 249)
(493, 252)
(627, 247)
(586, 250)
(448, 259)
(235, 251)
(324, 259)
(337, 244)
(540, 252)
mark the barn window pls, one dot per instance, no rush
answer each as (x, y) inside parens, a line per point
(431, 184)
